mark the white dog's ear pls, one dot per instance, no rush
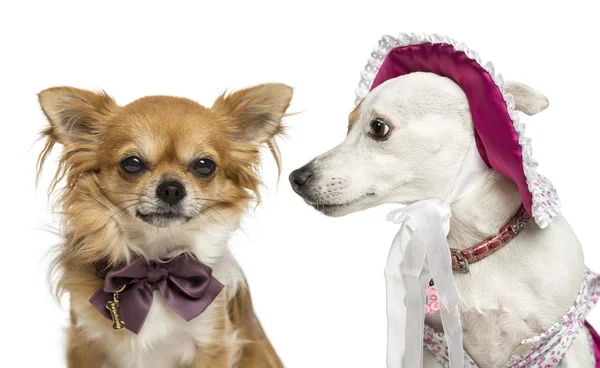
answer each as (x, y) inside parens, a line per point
(527, 99)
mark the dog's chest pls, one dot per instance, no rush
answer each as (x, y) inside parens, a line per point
(509, 297)
(165, 340)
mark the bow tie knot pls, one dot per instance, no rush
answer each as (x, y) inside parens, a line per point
(156, 272)
(186, 284)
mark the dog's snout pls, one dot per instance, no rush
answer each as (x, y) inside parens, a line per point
(300, 177)
(170, 192)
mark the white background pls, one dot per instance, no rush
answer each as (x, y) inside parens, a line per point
(317, 282)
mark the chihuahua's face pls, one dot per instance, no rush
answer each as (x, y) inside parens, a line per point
(164, 160)
(160, 162)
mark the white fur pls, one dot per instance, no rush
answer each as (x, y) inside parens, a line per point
(527, 99)
(519, 291)
(167, 340)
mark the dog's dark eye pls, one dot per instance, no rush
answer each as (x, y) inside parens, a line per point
(379, 129)
(205, 166)
(132, 164)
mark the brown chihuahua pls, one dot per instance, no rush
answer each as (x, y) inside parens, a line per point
(153, 191)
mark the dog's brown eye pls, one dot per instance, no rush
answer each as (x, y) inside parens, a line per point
(379, 129)
(205, 166)
(132, 164)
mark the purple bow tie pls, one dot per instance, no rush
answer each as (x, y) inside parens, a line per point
(186, 284)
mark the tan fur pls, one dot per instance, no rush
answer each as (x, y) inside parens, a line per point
(251, 349)
(354, 116)
(257, 350)
(82, 352)
(97, 199)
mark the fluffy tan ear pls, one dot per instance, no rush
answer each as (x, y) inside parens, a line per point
(77, 118)
(527, 99)
(254, 114)
(75, 115)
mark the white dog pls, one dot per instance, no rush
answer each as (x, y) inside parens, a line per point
(406, 142)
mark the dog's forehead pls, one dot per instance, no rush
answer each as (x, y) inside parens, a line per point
(411, 94)
(160, 124)
(166, 113)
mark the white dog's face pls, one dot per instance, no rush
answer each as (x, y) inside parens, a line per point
(406, 142)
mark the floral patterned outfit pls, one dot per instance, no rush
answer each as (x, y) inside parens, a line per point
(545, 350)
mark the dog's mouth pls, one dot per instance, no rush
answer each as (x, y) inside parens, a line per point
(162, 219)
(330, 207)
(337, 209)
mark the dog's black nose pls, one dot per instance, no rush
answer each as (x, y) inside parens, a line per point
(170, 192)
(299, 178)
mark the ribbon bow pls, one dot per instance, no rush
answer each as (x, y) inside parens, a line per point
(418, 254)
(186, 284)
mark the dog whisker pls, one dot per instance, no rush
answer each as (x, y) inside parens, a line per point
(200, 209)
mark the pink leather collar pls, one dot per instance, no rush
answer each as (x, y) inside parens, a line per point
(462, 258)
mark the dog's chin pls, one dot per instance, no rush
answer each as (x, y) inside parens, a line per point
(166, 219)
(333, 210)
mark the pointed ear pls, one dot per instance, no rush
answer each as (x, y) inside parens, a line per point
(527, 99)
(75, 115)
(254, 114)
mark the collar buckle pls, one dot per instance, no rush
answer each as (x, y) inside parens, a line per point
(459, 260)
